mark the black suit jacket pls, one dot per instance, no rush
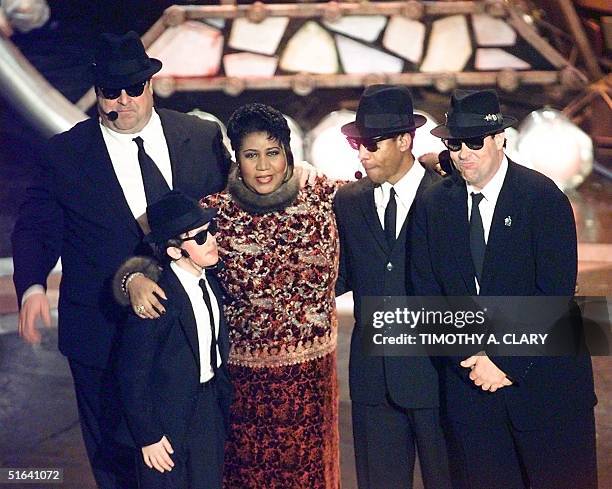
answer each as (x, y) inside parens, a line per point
(76, 209)
(158, 368)
(535, 255)
(369, 268)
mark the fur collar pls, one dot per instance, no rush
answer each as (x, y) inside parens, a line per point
(255, 203)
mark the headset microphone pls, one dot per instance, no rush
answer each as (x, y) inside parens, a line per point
(112, 115)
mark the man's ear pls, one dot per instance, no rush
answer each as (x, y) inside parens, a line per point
(173, 252)
(499, 138)
(405, 141)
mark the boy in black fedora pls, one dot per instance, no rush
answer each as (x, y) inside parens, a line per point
(87, 204)
(394, 399)
(171, 371)
(496, 228)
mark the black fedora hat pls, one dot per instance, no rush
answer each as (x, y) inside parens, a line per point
(121, 61)
(383, 110)
(173, 214)
(473, 113)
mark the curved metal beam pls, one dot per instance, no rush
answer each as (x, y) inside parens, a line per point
(32, 95)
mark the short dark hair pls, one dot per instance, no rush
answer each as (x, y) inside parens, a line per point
(256, 117)
(159, 249)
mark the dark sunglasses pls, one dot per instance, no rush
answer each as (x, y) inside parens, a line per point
(133, 90)
(202, 236)
(371, 144)
(474, 143)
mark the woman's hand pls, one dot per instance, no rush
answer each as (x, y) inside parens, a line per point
(144, 297)
(307, 173)
(430, 161)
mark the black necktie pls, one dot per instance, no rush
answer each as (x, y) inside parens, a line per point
(155, 184)
(213, 341)
(477, 241)
(390, 218)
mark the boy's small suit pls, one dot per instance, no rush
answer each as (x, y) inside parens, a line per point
(158, 370)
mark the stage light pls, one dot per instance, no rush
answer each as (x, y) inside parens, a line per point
(551, 144)
(424, 141)
(297, 139)
(327, 149)
(26, 15)
(511, 149)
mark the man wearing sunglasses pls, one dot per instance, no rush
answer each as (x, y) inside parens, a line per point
(88, 205)
(495, 228)
(394, 399)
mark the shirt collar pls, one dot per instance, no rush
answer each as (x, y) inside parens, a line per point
(150, 132)
(407, 185)
(187, 279)
(492, 189)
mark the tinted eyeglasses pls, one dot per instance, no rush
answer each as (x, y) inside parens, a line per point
(202, 236)
(371, 144)
(474, 143)
(133, 90)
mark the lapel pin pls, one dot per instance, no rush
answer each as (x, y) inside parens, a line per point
(508, 221)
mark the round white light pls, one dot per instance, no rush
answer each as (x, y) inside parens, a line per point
(551, 144)
(297, 139)
(328, 150)
(424, 141)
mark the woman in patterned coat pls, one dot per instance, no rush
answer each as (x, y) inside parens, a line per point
(279, 245)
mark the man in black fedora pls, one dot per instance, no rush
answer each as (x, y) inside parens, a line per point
(87, 204)
(171, 371)
(394, 399)
(495, 228)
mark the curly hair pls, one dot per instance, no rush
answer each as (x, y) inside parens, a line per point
(256, 117)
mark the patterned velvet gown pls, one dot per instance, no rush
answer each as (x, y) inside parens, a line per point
(280, 272)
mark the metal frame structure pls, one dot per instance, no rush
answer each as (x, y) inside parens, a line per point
(53, 113)
(564, 72)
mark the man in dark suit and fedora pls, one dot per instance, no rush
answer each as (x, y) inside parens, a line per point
(171, 371)
(87, 205)
(495, 228)
(394, 399)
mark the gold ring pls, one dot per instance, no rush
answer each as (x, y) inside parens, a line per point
(139, 309)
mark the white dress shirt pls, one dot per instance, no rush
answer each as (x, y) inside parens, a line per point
(490, 193)
(191, 285)
(124, 156)
(405, 192)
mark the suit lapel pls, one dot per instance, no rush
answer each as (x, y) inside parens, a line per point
(368, 208)
(501, 231)
(426, 181)
(459, 232)
(186, 318)
(100, 171)
(222, 335)
(176, 141)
